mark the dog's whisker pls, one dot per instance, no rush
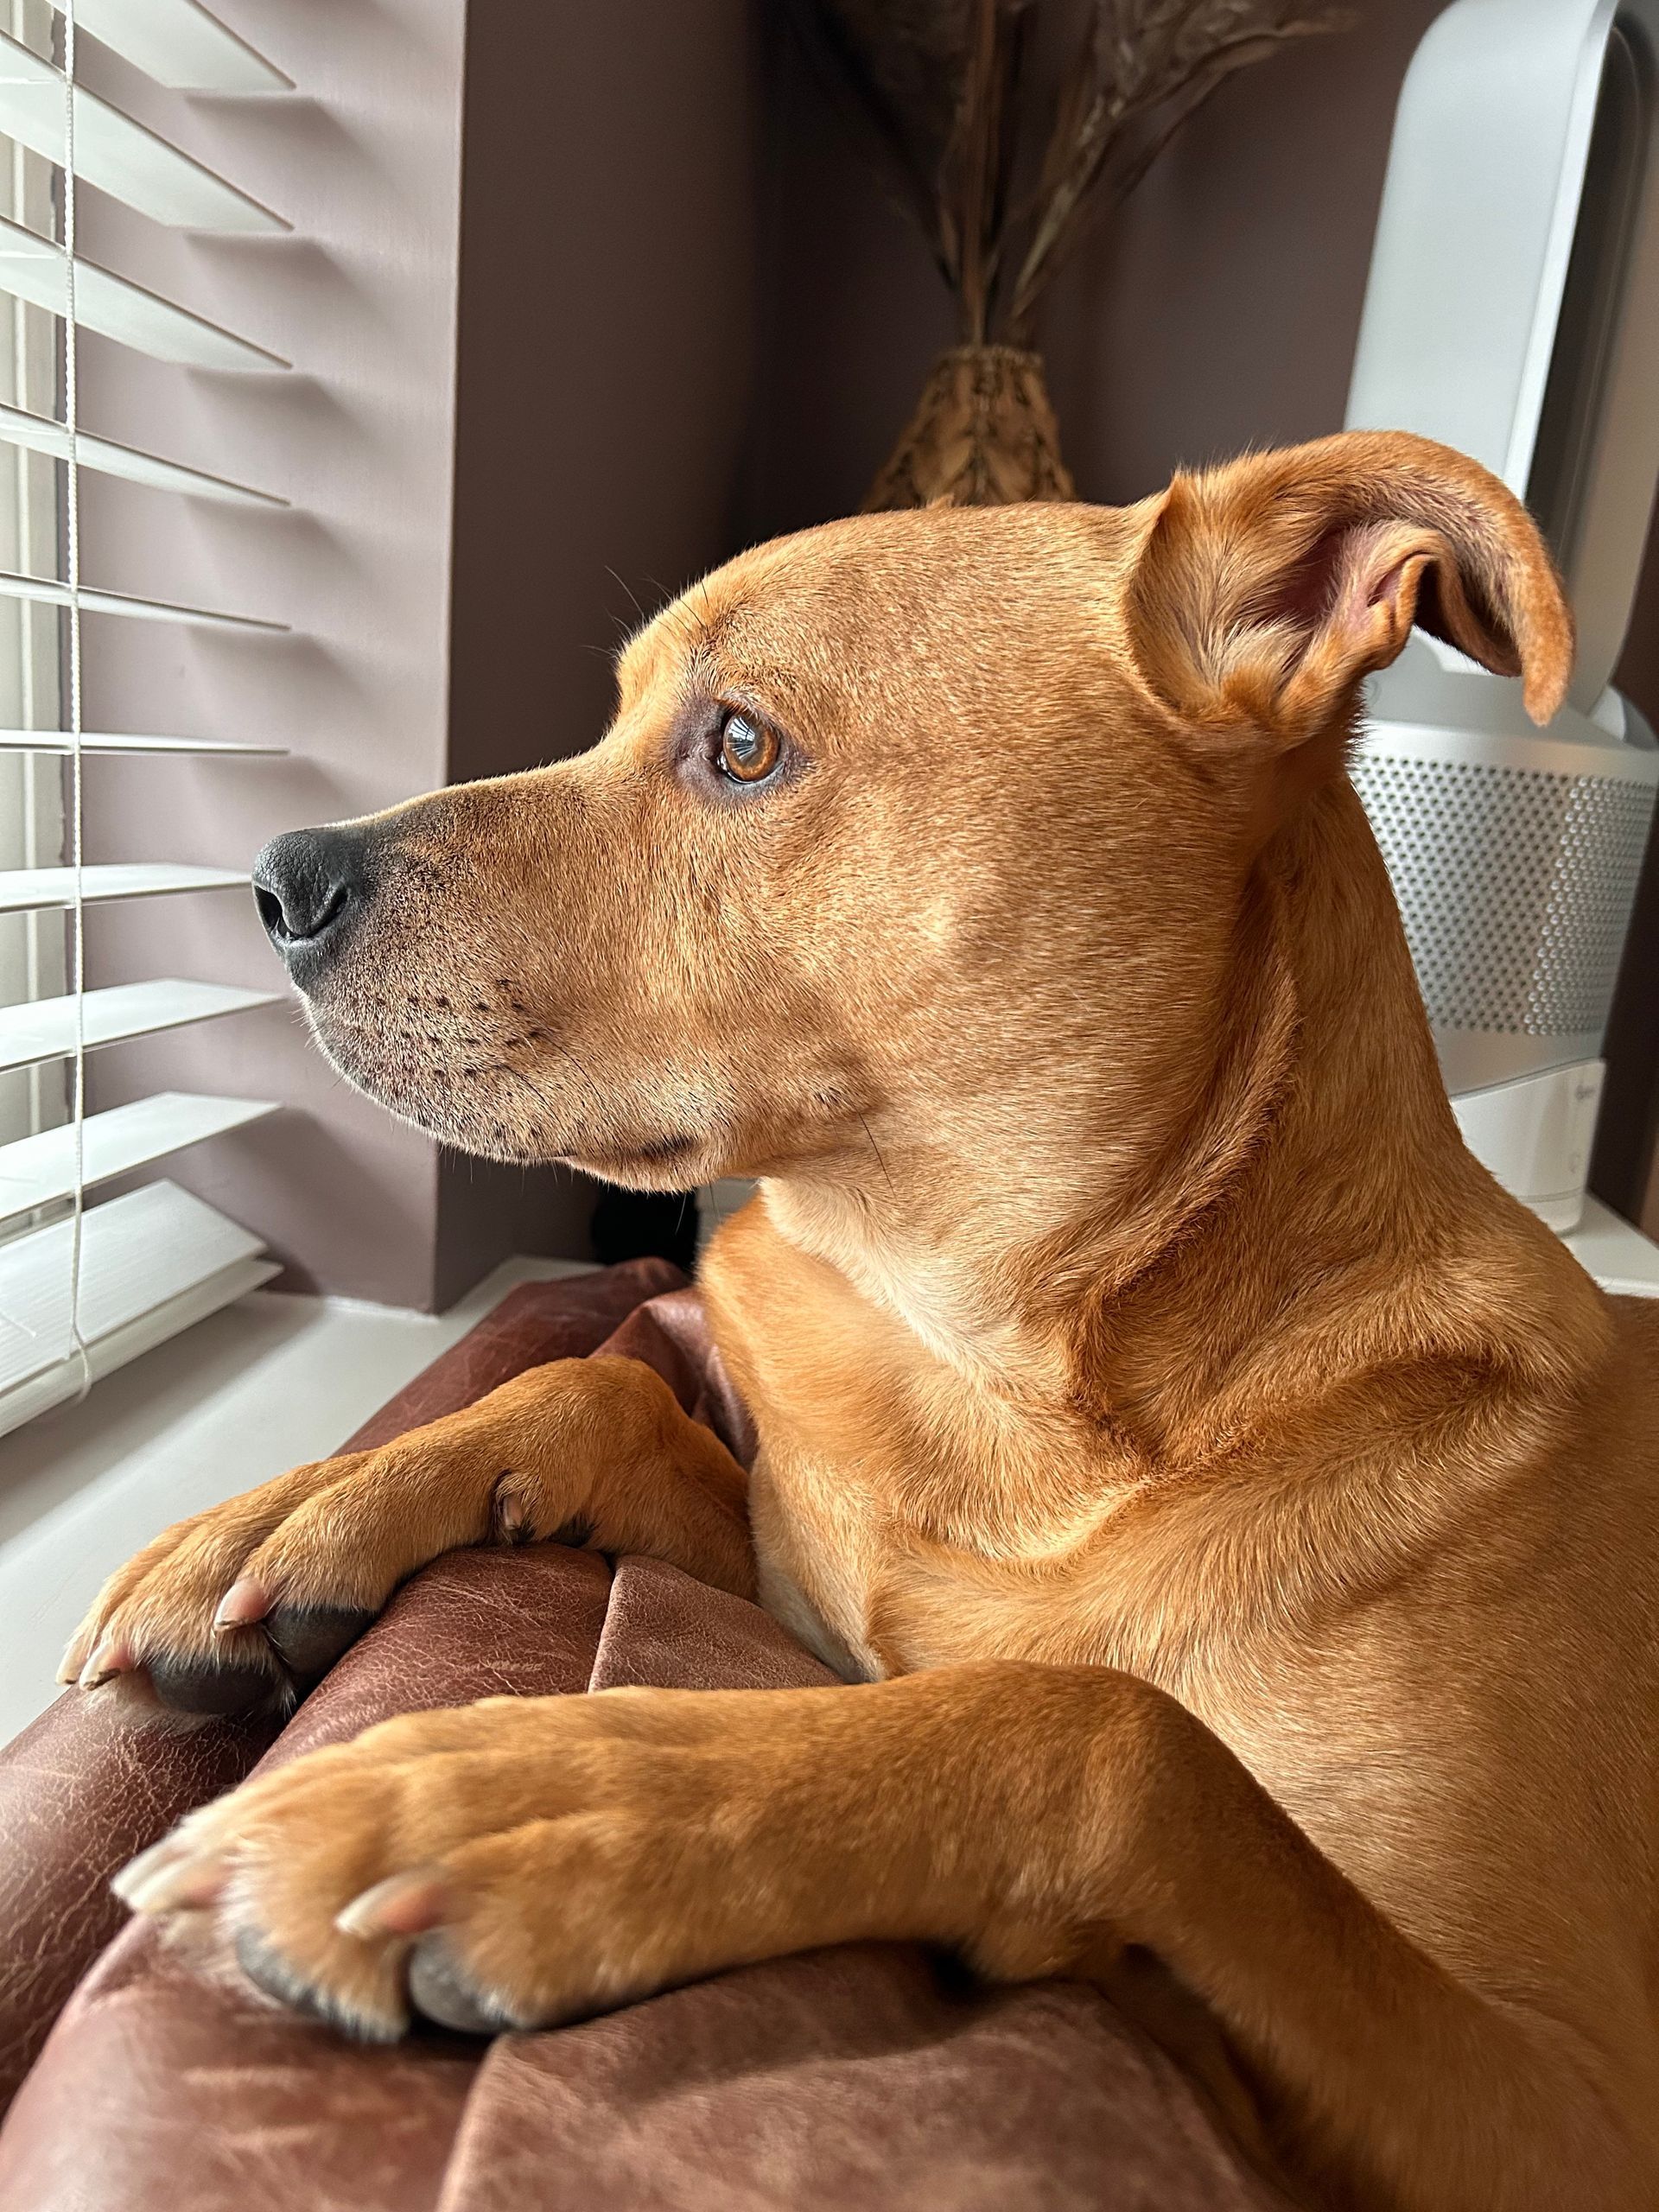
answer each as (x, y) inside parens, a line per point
(876, 1149)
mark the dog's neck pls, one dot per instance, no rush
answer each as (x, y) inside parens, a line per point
(1312, 1211)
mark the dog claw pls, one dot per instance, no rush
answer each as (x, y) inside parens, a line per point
(243, 1603)
(509, 1515)
(139, 1870)
(112, 1657)
(170, 1876)
(404, 1904)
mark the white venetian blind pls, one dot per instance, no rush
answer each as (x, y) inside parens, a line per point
(88, 1280)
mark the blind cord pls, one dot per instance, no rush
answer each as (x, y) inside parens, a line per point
(79, 1350)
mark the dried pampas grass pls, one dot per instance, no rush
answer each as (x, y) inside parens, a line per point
(938, 81)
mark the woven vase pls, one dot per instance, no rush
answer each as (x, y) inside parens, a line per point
(983, 435)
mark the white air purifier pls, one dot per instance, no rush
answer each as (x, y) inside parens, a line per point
(1513, 311)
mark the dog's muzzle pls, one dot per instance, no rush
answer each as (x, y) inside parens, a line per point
(312, 887)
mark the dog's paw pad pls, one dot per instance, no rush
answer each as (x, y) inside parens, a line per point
(441, 1993)
(272, 1973)
(309, 1639)
(217, 1689)
(367, 2008)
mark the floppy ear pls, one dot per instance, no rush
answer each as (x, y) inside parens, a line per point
(1268, 588)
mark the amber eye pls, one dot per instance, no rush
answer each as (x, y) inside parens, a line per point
(748, 750)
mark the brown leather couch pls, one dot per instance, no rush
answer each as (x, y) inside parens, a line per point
(870, 2077)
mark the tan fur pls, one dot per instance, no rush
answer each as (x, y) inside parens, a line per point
(1251, 1510)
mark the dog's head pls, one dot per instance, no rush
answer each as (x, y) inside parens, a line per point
(911, 825)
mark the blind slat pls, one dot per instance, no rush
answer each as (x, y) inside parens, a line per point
(38, 1170)
(34, 890)
(34, 269)
(179, 44)
(50, 592)
(44, 1029)
(59, 741)
(85, 1292)
(130, 1339)
(119, 156)
(40, 434)
(139, 1252)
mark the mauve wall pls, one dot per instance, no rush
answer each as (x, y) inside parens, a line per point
(607, 286)
(1625, 1167)
(1219, 309)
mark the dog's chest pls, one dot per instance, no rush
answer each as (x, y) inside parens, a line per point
(878, 1581)
(904, 1514)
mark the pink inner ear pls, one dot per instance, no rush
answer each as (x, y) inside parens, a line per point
(1352, 594)
(1391, 574)
(1266, 590)
(1360, 587)
(1352, 572)
(1351, 597)
(1382, 570)
(1307, 594)
(1395, 574)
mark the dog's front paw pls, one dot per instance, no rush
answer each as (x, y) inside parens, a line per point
(246, 1605)
(249, 1602)
(240, 1606)
(527, 1861)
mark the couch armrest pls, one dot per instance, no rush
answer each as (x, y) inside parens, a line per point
(82, 1790)
(872, 2077)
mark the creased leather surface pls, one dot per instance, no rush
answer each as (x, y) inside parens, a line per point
(671, 1334)
(860, 2079)
(80, 1791)
(164, 2089)
(867, 2079)
(664, 1631)
(478, 1623)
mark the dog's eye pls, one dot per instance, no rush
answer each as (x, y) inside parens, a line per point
(748, 750)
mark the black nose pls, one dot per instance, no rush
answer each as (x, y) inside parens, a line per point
(310, 886)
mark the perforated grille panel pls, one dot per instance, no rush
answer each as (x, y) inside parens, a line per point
(1516, 887)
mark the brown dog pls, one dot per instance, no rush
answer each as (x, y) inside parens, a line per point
(1239, 1515)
